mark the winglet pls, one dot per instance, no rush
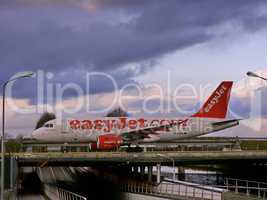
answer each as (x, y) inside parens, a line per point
(217, 105)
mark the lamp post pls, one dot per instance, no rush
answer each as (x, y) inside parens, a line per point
(173, 164)
(252, 74)
(18, 76)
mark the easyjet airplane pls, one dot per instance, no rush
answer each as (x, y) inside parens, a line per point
(112, 132)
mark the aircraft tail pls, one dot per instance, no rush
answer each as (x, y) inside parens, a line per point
(217, 105)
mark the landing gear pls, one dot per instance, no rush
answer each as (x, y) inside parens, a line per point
(134, 149)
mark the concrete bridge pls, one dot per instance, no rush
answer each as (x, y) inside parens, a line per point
(139, 159)
(134, 163)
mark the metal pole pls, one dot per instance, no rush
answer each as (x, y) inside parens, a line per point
(247, 188)
(3, 144)
(262, 78)
(23, 75)
(252, 74)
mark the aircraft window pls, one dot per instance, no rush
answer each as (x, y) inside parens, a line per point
(49, 126)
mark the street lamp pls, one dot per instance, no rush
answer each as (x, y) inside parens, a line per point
(173, 164)
(18, 76)
(252, 74)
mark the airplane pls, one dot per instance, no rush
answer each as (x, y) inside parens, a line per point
(113, 132)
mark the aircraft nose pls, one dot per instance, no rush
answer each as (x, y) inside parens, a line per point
(35, 134)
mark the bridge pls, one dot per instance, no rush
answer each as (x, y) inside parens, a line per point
(143, 158)
(131, 162)
(141, 164)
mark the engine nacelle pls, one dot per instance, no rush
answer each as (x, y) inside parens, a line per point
(93, 146)
(109, 142)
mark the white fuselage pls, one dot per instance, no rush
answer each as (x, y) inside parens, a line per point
(90, 129)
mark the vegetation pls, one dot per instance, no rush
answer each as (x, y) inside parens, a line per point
(14, 145)
(254, 145)
(117, 112)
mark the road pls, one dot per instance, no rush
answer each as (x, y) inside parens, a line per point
(31, 197)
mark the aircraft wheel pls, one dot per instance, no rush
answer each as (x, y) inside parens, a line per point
(134, 149)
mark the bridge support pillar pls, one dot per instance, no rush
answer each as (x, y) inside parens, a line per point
(158, 173)
(149, 173)
(78, 149)
(142, 170)
(11, 172)
(135, 170)
(181, 173)
(145, 149)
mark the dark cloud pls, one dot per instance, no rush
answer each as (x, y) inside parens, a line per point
(105, 35)
(88, 83)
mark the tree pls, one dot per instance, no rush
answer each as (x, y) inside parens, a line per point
(117, 112)
(13, 145)
(45, 118)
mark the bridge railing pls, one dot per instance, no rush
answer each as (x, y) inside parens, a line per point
(172, 190)
(67, 195)
(254, 188)
(54, 192)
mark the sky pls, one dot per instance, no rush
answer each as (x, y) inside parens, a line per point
(135, 43)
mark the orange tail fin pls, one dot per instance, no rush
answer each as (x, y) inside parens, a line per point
(217, 105)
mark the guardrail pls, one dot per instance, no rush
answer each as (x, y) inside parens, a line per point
(54, 192)
(171, 190)
(50, 188)
(67, 195)
(254, 188)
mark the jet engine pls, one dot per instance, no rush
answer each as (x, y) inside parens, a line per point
(109, 142)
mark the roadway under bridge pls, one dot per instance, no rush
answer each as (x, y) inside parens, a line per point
(134, 165)
(237, 154)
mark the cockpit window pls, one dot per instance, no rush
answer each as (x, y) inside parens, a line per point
(48, 125)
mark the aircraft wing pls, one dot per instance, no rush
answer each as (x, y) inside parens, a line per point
(150, 132)
(139, 134)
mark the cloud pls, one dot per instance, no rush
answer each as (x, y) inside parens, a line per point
(249, 97)
(144, 101)
(71, 37)
(155, 101)
(124, 39)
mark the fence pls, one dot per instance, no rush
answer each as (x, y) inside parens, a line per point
(53, 192)
(67, 195)
(254, 188)
(172, 190)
